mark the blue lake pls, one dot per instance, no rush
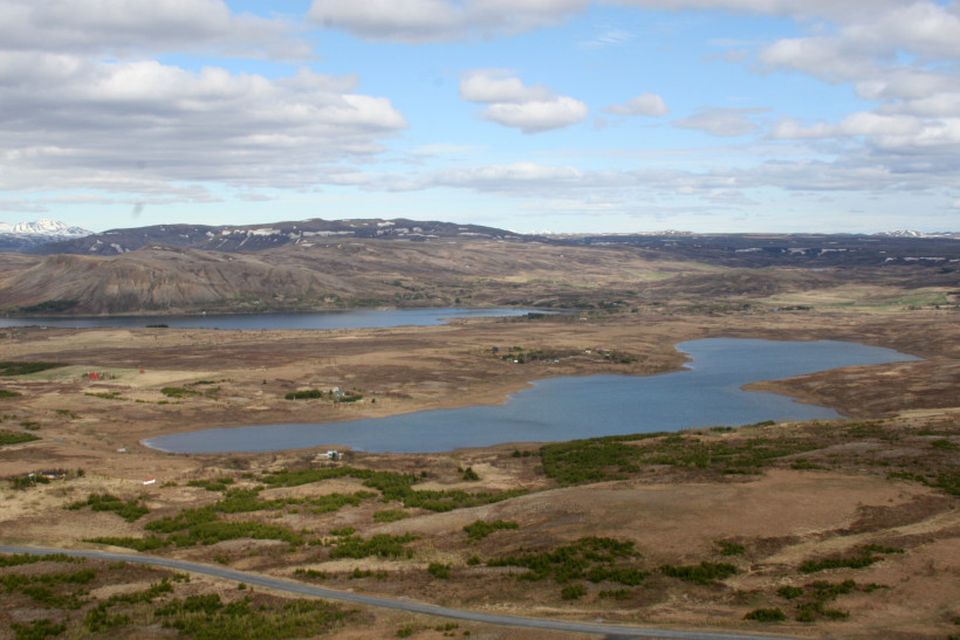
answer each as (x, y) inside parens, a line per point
(352, 319)
(707, 393)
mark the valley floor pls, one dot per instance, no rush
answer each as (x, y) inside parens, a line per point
(842, 529)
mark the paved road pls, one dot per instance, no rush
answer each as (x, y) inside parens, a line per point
(290, 586)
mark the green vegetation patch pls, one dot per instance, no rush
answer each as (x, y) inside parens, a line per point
(37, 630)
(766, 615)
(730, 548)
(53, 590)
(15, 437)
(382, 545)
(316, 394)
(212, 484)
(11, 368)
(50, 306)
(6, 393)
(481, 528)
(390, 515)
(393, 487)
(18, 559)
(149, 543)
(705, 573)
(129, 510)
(201, 526)
(860, 558)
(593, 559)
(178, 392)
(439, 570)
(613, 458)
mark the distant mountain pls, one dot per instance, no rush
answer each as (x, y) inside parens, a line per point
(26, 236)
(912, 233)
(267, 236)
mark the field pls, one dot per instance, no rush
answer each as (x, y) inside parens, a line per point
(834, 529)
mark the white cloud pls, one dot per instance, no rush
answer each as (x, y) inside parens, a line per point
(536, 116)
(130, 26)
(646, 104)
(415, 21)
(721, 121)
(511, 103)
(145, 126)
(897, 133)
(498, 85)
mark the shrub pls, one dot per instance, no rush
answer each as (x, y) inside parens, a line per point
(307, 394)
(789, 592)
(704, 573)
(14, 437)
(10, 368)
(597, 559)
(766, 615)
(438, 570)
(129, 510)
(382, 545)
(6, 393)
(37, 630)
(212, 484)
(150, 543)
(729, 548)
(573, 592)
(481, 529)
(390, 515)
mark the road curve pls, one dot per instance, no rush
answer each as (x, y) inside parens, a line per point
(299, 588)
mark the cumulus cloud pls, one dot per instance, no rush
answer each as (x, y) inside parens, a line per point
(646, 104)
(416, 21)
(132, 26)
(511, 103)
(721, 121)
(145, 126)
(499, 85)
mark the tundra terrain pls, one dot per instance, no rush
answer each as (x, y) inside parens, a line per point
(845, 528)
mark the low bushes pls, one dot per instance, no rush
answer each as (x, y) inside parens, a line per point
(129, 510)
(481, 529)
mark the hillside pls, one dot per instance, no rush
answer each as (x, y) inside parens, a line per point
(334, 275)
(319, 264)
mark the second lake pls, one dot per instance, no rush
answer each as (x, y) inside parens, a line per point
(707, 393)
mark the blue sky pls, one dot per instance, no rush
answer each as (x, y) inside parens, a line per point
(534, 115)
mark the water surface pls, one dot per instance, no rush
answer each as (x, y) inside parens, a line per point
(352, 319)
(707, 393)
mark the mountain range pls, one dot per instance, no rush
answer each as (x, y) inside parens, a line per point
(316, 264)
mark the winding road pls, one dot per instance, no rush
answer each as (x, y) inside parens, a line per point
(299, 588)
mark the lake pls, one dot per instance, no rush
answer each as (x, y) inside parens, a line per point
(352, 319)
(707, 393)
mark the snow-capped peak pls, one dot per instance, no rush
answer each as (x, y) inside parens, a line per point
(44, 228)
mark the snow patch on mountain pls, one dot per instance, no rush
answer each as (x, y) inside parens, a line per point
(44, 228)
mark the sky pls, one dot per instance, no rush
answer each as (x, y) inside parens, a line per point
(559, 116)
